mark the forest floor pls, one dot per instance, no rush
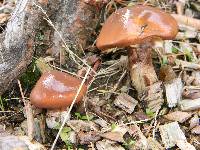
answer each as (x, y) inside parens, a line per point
(111, 116)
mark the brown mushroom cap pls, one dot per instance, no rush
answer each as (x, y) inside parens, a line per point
(133, 25)
(56, 90)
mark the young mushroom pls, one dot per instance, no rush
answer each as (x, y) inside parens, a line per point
(136, 28)
(57, 90)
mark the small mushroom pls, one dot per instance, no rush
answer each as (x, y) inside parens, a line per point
(139, 26)
(56, 90)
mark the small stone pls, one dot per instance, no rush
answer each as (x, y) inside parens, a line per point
(126, 102)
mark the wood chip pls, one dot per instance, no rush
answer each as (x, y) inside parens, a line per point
(116, 135)
(126, 102)
(189, 21)
(188, 104)
(153, 97)
(178, 116)
(170, 134)
(154, 145)
(140, 115)
(4, 18)
(196, 75)
(87, 137)
(101, 122)
(194, 121)
(174, 92)
(187, 65)
(80, 125)
(108, 145)
(188, 34)
(196, 130)
(184, 145)
(191, 93)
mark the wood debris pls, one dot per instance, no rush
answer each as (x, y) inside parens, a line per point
(101, 122)
(87, 137)
(196, 130)
(4, 18)
(178, 116)
(170, 134)
(188, 104)
(108, 145)
(196, 75)
(173, 91)
(126, 102)
(187, 65)
(188, 34)
(116, 134)
(190, 92)
(154, 145)
(153, 97)
(80, 125)
(194, 121)
(189, 21)
(184, 145)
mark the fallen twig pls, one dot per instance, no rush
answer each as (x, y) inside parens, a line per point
(29, 114)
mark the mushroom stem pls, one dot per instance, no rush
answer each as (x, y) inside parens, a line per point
(141, 68)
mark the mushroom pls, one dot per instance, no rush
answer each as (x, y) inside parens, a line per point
(56, 90)
(136, 28)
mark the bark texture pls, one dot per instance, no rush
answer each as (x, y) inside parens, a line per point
(17, 42)
(75, 21)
